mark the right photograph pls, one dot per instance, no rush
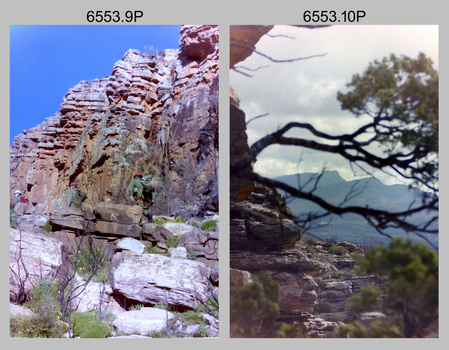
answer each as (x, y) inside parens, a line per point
(334, 181)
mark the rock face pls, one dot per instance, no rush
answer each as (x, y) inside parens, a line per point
(258, 214)
(33, 257)
(155, 279)
(114, 223)
(154, 114)
(258, 223)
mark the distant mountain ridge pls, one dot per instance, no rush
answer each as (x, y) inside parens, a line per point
(367, 191)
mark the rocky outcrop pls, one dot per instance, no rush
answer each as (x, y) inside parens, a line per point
(154, 114)
(111, 224)
(259, 223)
(33, 257)
(259, 215)
(314, 291)
(155, 279)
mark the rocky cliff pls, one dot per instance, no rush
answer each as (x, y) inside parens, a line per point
(157, 114)
(258, 220)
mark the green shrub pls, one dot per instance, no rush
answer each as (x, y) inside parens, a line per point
(88, 325)
(208, 225)
(44, 300)
(351, 330)
(411, 273)
(92, 260)
(201, 331)
(136, 307)
(337, 250)
(254, 308)
(365, 300)
(384, 327)
(47, 226)
(192, 316)
(46, 308)
(157, 334)
(12, 218)
(172, 242)
(38, 326)
(180, 220)
(159, 222)
(153, 249)
(192, 255)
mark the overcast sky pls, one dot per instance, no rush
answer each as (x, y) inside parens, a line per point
(306, 90)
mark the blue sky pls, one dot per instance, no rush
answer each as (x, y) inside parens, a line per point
(47, 60)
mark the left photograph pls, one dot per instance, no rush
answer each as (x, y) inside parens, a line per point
(114, 181)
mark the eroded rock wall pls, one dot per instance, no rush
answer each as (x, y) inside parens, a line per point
(155, 113)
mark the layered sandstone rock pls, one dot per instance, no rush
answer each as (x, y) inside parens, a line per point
(151, 114)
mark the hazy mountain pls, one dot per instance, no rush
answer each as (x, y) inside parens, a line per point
(368, 191)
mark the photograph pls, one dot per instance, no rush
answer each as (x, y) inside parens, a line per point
(334, 181)
(113, 180)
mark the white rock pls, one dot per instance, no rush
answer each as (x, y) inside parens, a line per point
(142, 321)
(178, 252)
(177, 229)
(33, 257)
(17, 310)
(130, 244)
(156, 279)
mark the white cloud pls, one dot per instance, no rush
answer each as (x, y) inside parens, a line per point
(306, 90)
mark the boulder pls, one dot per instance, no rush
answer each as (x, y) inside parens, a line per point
(17, 310)
(178, 253)
(33, 257)
(25, 209)
(317, 327)
(239, 278)
(261, 223)
(29, 218)
(214, 275)
(177, 229)
(204, 244)
(333, 295)
(155, 233)
(114, 229)
(129, 244)
(155, 279)
(294, 261)
(95, 296)
(297, 292)
(366, 318)
(119, 213)
(67, 218)
(142, 321)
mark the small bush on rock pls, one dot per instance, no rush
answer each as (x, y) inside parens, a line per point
(45, 306)
(88, 325)
(208, 225)
(172, 242)
(337, 250)
(153, 249)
